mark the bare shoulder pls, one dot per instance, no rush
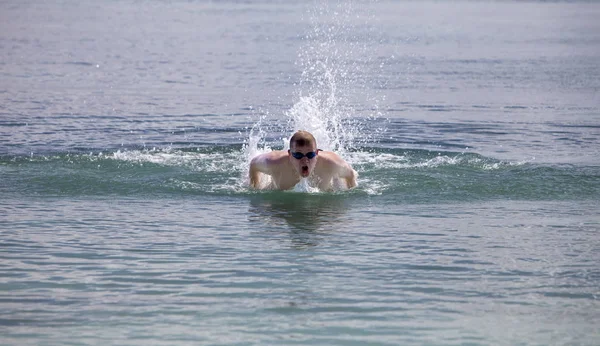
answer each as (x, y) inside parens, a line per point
(333, 163)
(271, 157)
(331, 158)
(266, 160)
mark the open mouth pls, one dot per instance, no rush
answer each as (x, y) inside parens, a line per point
(304, 170)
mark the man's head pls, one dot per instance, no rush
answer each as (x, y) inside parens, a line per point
(303, 152)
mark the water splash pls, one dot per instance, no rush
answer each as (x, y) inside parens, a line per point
(304, 186)
(255, 145)
(310, 114)
(334, 60)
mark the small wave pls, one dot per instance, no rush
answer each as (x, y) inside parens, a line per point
(205, 162)
(410, 175)
(81, 63)
(425, 159)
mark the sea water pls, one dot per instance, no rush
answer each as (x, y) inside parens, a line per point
(126, 129)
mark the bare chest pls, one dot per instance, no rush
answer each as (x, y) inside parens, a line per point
(287, 179)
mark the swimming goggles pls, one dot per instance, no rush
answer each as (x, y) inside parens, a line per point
(310, 155)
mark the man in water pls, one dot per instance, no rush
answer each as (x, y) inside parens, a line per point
(325, 169)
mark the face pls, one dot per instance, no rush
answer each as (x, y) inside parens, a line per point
(303, 166)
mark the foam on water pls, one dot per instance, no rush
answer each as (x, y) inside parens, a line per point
(214, 162)
(414, 175)
(304, 186)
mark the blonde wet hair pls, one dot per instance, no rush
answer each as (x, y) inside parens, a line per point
(303, 139)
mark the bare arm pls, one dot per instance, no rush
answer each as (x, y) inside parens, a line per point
(258, 165)
(253, 176)
(349, 175)
(263, 163)
(342, 168)
(351, 178)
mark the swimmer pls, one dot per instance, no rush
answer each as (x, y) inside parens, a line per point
(323, 169)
